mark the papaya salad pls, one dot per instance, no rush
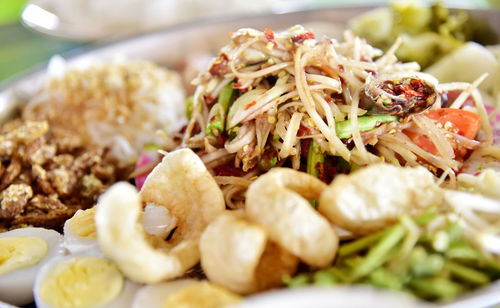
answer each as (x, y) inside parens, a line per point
(327, 107)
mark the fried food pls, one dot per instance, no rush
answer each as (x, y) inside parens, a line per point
(237, 254)
(279, 202)
(375, 197)
(45, 180)
(180, 183)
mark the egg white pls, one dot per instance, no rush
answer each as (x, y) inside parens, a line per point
(16, 287)
(123, 300)
(156, 221)
(77, 244)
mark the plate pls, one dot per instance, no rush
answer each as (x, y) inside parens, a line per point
(171, 47)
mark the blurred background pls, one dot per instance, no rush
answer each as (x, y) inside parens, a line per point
(32, 31)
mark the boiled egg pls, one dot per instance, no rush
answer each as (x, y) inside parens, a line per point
(185, 293)
(22, 253)
(82, 281)
(80, 235)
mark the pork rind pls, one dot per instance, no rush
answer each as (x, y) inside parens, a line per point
(180, 183)
(375, 197)
(279, 202)
(236, 254)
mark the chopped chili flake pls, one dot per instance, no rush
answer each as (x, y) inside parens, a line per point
(299, 38)
(238, 85)
(373, 73)
(303, 131)
(222, 138)
(413, 89)
(321, 171)
(250, 105)
(341, 68)
(269, 34)
(304, 147)
(220, 66)
(228, 170)
(208, 98)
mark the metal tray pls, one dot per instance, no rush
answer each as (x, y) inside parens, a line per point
(171, 46)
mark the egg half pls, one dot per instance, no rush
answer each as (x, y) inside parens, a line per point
(185, 293)
(22, 253)
(80, 235)
(82, 282)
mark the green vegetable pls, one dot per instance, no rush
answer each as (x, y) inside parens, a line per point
(467, 274)
(381, 277)
(300, 280)
(214, 127)
(405, 257)
(427, 32)
(427, 216)
(360, 244)
(242, 103)
(463, 252)
(436, 288)
(425, 265)
(217, 114)
(189, 106)
(365, 123)
(314, 156)
(378, 253)
(151, 147)
(325, 278)
(266, 162)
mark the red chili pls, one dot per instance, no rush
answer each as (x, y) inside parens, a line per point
(228, 170)
(220, 66)
(250, 105)
(269, 34)
(303, 131)
(299, 38)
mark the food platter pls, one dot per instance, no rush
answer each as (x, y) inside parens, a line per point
(171, 47)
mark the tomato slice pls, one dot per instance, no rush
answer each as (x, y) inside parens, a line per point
(459, 121)
(465, 122)
(422, 141)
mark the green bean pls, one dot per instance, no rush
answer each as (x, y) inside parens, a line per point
(300, 280)
(217, 114)
(384, 278)
(365, 123)
(378, 253)
(462, 252)
(436, 288)
(325, 278)
(314, 156)
(466, 273)
(423, 265)
(427, 216)
(226, 96)
(360, 244)
(340, 273)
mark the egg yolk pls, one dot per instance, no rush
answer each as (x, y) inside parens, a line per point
(201, 295)
(20, 252)
(82, 282)
(83, 224)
